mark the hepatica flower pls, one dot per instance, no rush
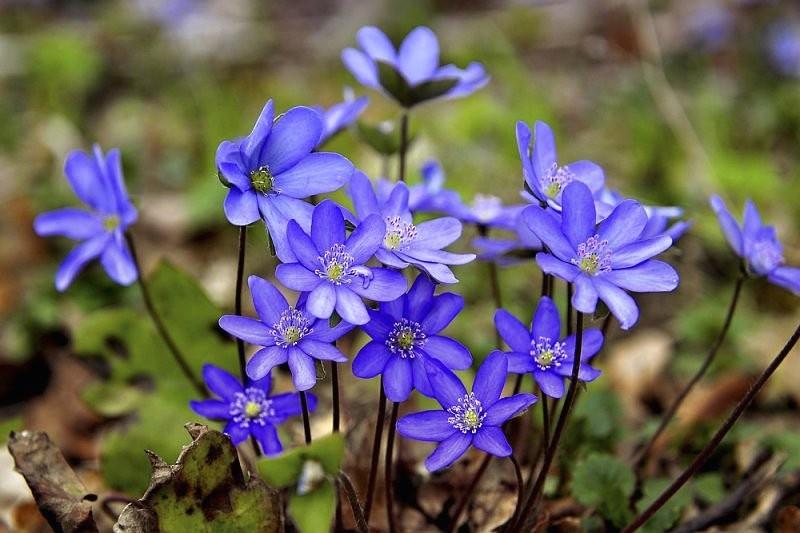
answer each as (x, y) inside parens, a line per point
(405, 243)
(658, 217)
(757, 245)
(540, 168)
(405, 333)
(340, 116)
(272, 171)
(602, 260)
(97, 181)
(410, 74)
(286, 334)
(542, 351)
(523, 245)
(249, 410)
(466, 419)
(332, 267)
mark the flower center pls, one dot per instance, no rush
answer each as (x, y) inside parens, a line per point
(594, 256)
(262, 180)
(406, 336)
(398, 233)
(110, 223)
(251, 407)
(766, 256)
(556, 179)
(486, 207)
(291, 328)
(546, 353)
(467, 416)
(336, 266)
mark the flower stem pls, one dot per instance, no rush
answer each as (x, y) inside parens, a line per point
(352, 496)
(569, 309)
(306, 418)
(494, 281)
(550, 453)
(644, 452)
(520, 490)
(335, 394)
(159, 324)
(401, 174)
(462, 504)
(709, 448)
(376, 454)
(389, 468)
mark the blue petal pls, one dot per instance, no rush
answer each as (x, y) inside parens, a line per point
(265, 360)
(379, 326)
(86, 178)
(427, 426)
(68, 222)
(492, 440)
(116, 182)
(591, 343)
(547, 228)
(267, 437)
(327, 227)
(546, 321)
(213, 409)
(397, 379)
(303, 247)
(236, 432)
(251, 145)
(437, 233)
(371, 360)
(267, 299)
(292, 138)
(513, 332)
(520, 362)
(584, 299)
(350, 307)
(451, 353)
(751, 222)
(397, 203)
(729, 226)
(549, 383)
(298, 278)
(443, 310)
(221, 382)
(321, 331)
(288, 404)
(578, 213)
(363, 195)
(118, 263)
(491, 378)
(361, 66)
(544, 154)
(448, 451)
(366, 239)
(317, 173)
(636, 252)
(304, 373)
(323, 351)
(248, 329)
(589, 173)
(418, 57)
(417, 303)
(624, 225)
(322, 300)
(506, 408)
(376, 44)
(447, 388)
(621, 305)
(650, 276)
(241, 208)
(383, 285)
(786, 277)
(552, 265)
(77, 259)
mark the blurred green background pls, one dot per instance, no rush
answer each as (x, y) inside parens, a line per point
(166, 81)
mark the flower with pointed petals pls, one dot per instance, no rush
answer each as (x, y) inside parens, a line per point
(249, 410)
(601, 260)
(272, 171)
(411, 74)
(405, 243)
(332, 267)
(658, 217)
(405, 333)
(507, 251)
(545, 178)
(757, 245)
(466, 419)
(542, 351)
(339, 116)
(286, 334)
(98, 182)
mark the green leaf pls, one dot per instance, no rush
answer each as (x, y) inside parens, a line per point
(112, 400)
(394, 83)
(204, 491)
(666, 517)
(604, 482)
(285, 470)
(313, 512)
(431, 89)
(382, 141)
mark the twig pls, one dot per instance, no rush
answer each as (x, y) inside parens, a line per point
(352, 497)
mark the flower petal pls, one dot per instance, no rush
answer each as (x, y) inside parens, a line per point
(350, 307)
(221, 382)
(544, 154)
(520, 362)
(621, 305)
(443, 310)
(86, 178)
(427, 426)
(418, 57)
(578, 213)
(491, 378)
(241, 208)
(236, 432)
(265, 360)
(327, 226)
(546, 321)
(324, 351)
(322, 300)
(786, 277)
(383, 285)
(68, 222)
(624, 225)
(77, 259)
(547, 228)
(639, 251)
(448, 451)
(118, 262)
(437, 233)
(317, 173)
(304, 373)
(376, 44)
(513, 332)
(418, 301)
(248, 329)
(379, 326)
(451, 353)
(267, 299)
(447, 388)
(397, 379)
(303, 247)
(366, 239)
(507, 408)
(293, 137)
(267, 437)
(590, 344)
(550, 264)
(549, 383)
(253, 143)
(214, 409)
(730, 227)
(584, 299)
(363, 195)
(371, 360)
(651, 276)
(492, 440)
(361, 66)
(589, 173)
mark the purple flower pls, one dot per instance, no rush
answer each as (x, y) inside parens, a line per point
(601, 260)
(332, 268)
(286, 334)
(658, 217)
(541, 171)
(249, 410)
(97, 181)
(466, 419)
(757, 244)
(340, 116)
(405, 333)
(274, 168)
(410, 74)
(783, 47)
(542, 351)
(507, 251)
(405, 243)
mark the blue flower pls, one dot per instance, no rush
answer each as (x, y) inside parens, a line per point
(405, 333)
(541, 171)
(416, 75)
(332, 268)
(602, 261)
(405, 243)
(466, 419)
(783, 47)
(506, 251)
(658, 217)
(273, 169)
(542, 351)
(97, 181)
(249, 410)
(757, 244)
(340, 116)
(286, 334)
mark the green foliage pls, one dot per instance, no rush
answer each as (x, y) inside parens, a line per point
(666, 517)
(604, 482)
(127, 341)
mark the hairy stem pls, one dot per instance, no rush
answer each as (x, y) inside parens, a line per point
(335, 394)
(389, 468)
(306, 418)
(352, 497)
(376, 454)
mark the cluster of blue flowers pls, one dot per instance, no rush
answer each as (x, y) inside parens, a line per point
(350, 267)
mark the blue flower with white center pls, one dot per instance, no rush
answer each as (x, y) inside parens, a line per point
(405, 333)
(273, 170)
(286, 334)
(757, 245)
(339, 116)
(541, 350)
(97, 181)
(543, 175)
(466, 418)
(604, 260)
(332, 269)
(250, 409)
(416, 75)
(404, 242)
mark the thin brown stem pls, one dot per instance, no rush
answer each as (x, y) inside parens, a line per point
(335, 395)
(401, 174)
(467, 496)
(389, 468)
(180, 360)
(306, 418)
(709, 448)
(376, 454)
(352, 497)
(644, 452)
(568, 316)
(520, 489)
